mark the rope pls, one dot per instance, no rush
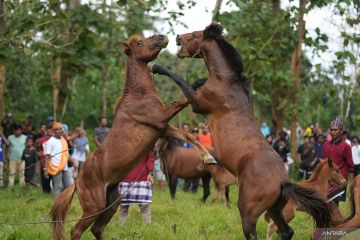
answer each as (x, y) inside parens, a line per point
(21, 170)
(78, 219)
(190, 63)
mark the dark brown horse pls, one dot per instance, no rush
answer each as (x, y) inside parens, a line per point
(178, 162)
(325, 173)
(238, 143)
(140, 119)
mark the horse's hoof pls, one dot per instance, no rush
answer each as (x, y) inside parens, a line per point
(210, 161)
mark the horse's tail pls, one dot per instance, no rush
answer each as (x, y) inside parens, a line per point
(310, 201)
(59, 211)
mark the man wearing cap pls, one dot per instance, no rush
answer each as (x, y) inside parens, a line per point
(57, 157)
(340, 153)
(16, 148)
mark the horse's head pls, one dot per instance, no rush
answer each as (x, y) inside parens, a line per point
(145, 49)
(189, 44)
(335, 174)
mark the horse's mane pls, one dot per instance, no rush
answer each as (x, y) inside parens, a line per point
(215, 31)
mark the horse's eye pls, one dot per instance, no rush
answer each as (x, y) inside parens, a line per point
(139, 42)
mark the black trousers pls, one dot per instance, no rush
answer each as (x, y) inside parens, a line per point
(356, 169)
(45, 182)
(193, 183)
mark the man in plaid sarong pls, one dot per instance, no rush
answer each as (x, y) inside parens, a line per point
(136, 189)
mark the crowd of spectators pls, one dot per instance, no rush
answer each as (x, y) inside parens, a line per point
(50, 156)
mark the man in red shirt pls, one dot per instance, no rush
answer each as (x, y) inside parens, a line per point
(136, 189)
(205, 138)
(40, 143)
(340, 153)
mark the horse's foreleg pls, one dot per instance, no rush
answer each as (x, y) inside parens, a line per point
(174, 109)
(171, 131)
(112, 199)
(185, 87)
(271, 228)
(215, 195)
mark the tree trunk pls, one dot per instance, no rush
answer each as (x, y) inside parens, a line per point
(2, 60)
(295, 68)
(216, 10)
(62, 83)
(56, 84)
(107, 68)
(277, 112)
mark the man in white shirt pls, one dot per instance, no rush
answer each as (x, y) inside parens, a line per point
(57, 157)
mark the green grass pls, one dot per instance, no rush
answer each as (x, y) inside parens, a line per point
(193, 219)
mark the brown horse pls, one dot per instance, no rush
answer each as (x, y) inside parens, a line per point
(325, 173)
(179, 162)
(238, 143)
(140, 119)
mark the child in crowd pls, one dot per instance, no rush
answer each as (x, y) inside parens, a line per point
(30, 157)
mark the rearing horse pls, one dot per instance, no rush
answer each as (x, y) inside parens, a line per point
(140, 119)
(238, 143)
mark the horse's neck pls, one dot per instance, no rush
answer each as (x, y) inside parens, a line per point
(215, 61)
(220, 74)
(138, 80)
(321, 180)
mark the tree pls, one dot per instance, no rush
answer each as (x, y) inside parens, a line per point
(295, 68)
(2, 59)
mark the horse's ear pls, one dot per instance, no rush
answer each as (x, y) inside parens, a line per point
(330, 163)
(126, 47)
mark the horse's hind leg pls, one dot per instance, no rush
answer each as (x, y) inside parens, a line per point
(113, 200)
(276, 214)
(92, 202)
